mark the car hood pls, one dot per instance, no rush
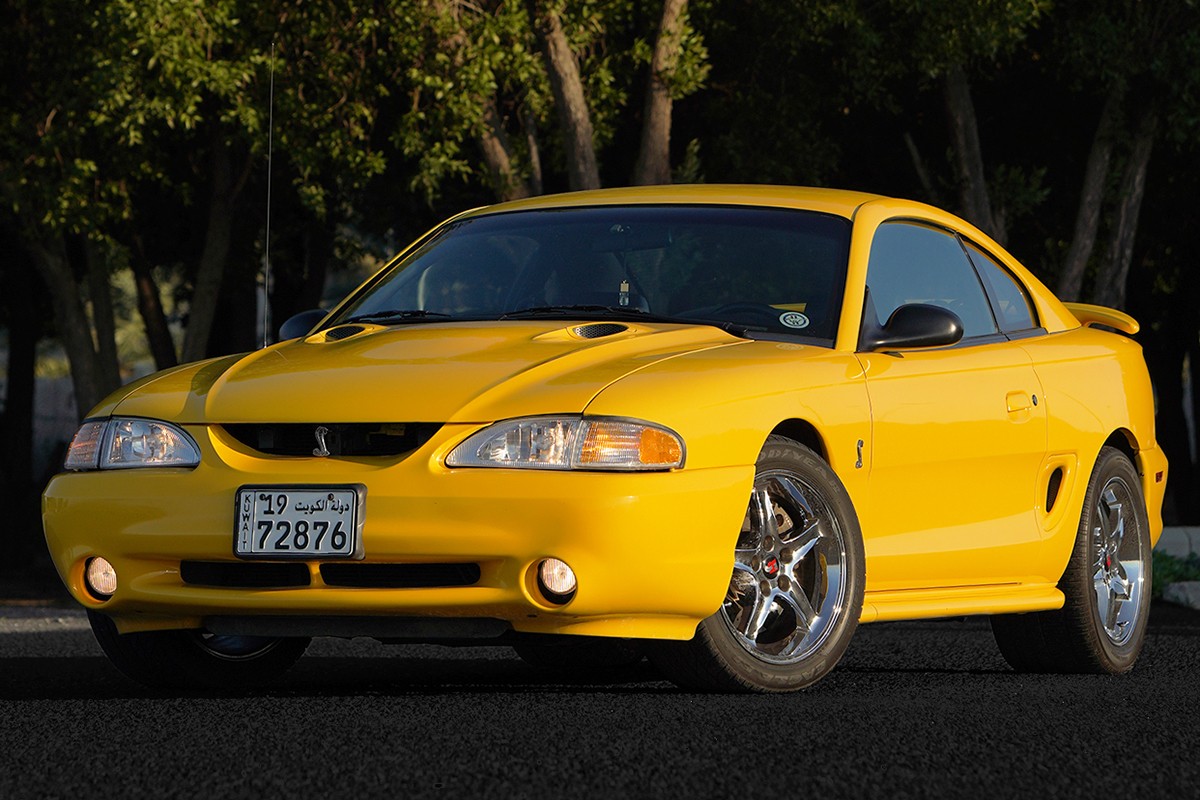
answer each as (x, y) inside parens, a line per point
(428, 372)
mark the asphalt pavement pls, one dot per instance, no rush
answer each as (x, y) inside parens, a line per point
(916, 709)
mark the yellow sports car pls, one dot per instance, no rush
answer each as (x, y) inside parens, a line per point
(719, 426)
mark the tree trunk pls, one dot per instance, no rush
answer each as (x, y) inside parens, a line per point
(217, 241)
(497, 154)
(71, 320)
(158, 333)
(968, 153)
(567, 87)
(654, 156)
(300, 286)
(492, 139)
(1114, 271)
(100, 290)
(1091, 198)
(535, 155)
(1187, 480)
(238, 301)
(931, 193)
(20, 534)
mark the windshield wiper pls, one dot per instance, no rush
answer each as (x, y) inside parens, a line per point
(396, 315)
(736, 328)
(576, 310)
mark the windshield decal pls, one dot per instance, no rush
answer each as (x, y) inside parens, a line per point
(793, 319)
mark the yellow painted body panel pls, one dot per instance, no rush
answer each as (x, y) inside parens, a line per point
(956, 446)
(944, 452)
(481, 372)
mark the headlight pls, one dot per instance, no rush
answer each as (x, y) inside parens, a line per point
(123, 443)
(599, 443)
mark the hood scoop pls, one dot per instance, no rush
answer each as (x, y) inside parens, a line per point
(598, 330)
(342, 332)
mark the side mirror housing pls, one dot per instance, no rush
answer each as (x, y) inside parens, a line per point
(300, 324)
(915, 325)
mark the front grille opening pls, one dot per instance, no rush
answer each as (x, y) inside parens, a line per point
(243, 575)
(340, 439)
(1052, 487)
(400, 576)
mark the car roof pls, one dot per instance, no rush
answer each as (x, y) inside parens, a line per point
(840, 202)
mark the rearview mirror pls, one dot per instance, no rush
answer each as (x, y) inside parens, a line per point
(300, 324)
(915, 325)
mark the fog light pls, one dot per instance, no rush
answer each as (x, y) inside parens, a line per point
(556, 580)
(101, 578)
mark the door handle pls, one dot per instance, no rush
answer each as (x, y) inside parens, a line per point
(1020, 401)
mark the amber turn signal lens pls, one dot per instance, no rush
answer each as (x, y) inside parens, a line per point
(659, 447)
(618, 444)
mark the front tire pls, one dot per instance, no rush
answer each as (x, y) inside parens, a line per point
(796, 591)
(195, 659)
(1102, 625)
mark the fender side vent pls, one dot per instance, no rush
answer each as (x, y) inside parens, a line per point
(342, 332)
(598, 330)
(1052, 487)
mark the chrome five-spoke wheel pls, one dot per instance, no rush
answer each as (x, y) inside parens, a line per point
(1119, 557)
(796, 588)
(787, 587)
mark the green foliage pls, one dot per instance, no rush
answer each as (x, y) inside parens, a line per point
(950, 32)
(465, 54)
(690, 170)
(1019, 191)
(1169, 569)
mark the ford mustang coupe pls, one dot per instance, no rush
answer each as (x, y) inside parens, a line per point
(718, 426)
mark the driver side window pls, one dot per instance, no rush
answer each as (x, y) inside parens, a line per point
(913, 263)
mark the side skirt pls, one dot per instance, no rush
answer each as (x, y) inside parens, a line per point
(959, 601)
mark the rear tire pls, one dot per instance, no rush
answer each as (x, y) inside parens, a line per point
(796, 591)
(1102, 625)
(195, 659)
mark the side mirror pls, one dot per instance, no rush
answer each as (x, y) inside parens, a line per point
(915, 325)
(300, 324)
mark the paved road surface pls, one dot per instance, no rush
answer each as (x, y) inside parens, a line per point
(915, 710)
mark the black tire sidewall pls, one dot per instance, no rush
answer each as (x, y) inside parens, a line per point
(781, 454)
(1077, 582)
(177, 659)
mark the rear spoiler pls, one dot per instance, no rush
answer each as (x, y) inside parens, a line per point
(1088, 315)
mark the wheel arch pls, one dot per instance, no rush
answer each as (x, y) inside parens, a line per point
(1151, 466)
(805, 433)
(1123, 439)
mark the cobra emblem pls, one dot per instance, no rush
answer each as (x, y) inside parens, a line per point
(322, 451)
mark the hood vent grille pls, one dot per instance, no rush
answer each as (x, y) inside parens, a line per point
(598, 330)
(342, 332)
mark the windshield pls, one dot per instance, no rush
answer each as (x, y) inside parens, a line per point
(754, 271)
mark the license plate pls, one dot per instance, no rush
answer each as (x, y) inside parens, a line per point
(299, 521)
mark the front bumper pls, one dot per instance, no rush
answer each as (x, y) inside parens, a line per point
(653, 552)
